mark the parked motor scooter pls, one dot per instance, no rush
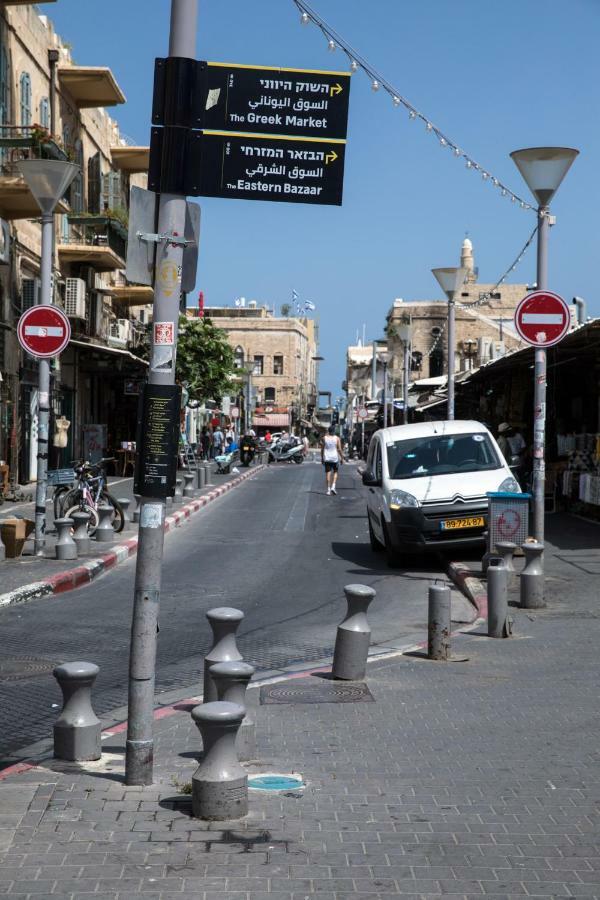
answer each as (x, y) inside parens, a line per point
(286, 453)
(247, 450)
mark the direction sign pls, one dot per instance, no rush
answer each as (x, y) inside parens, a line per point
(268, 100)
(44, 331)
(363, 413)
(253, 167)
(542, 318)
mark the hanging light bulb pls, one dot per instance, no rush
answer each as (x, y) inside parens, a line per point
(485, 175)
(469, 164)
(396, 101)
(456, 151)
(443, 142)
(523, 206)
(429, 126)
(412, 114)
(513, 199)
(374, 85)
(504, 192)
(305, 19)
(354, 66)
(495, 182)
(331, 45)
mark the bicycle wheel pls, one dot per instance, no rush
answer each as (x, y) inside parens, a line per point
(59, 493)
(85, 507)
(119, 517)
(66, 500)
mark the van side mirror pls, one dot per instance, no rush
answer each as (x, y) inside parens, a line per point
(370, 479)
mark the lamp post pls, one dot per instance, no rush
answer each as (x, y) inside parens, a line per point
(543, 169)
(405, 334)
(47, 179)
(450, 280)
(385, 359)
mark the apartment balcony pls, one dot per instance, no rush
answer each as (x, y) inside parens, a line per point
(132, 294)
(131, 160)
(98, 241)
(19, 143)
(91, 86)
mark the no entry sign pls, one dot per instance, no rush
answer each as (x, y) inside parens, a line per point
(542, 318)
(44, 331)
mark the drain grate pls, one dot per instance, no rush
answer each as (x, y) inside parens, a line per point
(315, 693)
(21, 667)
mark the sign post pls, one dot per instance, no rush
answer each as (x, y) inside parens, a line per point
(363, 412)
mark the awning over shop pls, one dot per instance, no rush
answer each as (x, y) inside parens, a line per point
(271, 420)
(102, 348)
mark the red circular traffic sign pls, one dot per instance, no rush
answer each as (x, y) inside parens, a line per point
(44, 331)
(363, 413)
(542, 318)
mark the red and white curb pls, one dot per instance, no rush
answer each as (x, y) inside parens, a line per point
(88, 571)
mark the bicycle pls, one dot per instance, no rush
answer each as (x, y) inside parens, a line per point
(90, 490)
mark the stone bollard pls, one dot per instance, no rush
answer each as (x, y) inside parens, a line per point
(77, 729)
(499, 624)
(189, 478)
(353, 635)
(178, 496)
(136, 512)
(231, 680)
(66, 548)
(506, 550)
(208, 474)
(124, 504)
(532, 576)
(219, 784)
(81, 535)
(200, 475)
(224, 621)
(439, 622)
(104, 530)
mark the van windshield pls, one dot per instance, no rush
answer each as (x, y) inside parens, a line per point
(442, 454)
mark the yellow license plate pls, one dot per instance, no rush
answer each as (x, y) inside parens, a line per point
(471, 522)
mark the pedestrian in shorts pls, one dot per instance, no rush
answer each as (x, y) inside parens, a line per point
(332, 458)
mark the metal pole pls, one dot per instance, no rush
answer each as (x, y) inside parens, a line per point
(385, 393)
(362, 439)
(374, 372)
(451, 354)
(43, 394)
(142, 661)
(405, 383)
(539, 396)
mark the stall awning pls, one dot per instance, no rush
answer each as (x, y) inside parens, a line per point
(271, 420)
(102, 348)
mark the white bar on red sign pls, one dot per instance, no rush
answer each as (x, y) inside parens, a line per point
(542, 318)
(43, 331)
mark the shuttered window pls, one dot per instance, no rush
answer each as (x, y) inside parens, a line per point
(25, 98)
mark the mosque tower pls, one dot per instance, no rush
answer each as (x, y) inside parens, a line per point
(467, 261)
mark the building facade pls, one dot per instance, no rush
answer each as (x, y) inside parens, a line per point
(52, 108)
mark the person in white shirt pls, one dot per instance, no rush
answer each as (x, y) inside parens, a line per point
(332, 458)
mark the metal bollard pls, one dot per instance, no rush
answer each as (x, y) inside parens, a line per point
(136, 512)
(178, 496)
(219, 784)
(200, 476)
(66, 548)
(506, 550)
(104, 530)
(77, 729)
(231, 681)
(485, 561)
(499, 624)
(124, 504)
(532, 576)
(353, 635)
(208, 474)
(80, 531)
(189, 478)
(439, 622)
(224, 621)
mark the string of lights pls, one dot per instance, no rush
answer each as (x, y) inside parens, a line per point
(357, 62)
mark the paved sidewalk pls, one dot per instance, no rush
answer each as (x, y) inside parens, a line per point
(461, 779)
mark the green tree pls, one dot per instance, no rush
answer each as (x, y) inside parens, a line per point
(204, 358)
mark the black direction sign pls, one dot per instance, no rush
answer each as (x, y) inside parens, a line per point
(254, 167)
(157, 440)
(265, 100)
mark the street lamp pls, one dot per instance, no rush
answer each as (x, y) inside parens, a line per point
(451, 280)
(385, 358)
(405, 334)
(543, 169)
(47, 179)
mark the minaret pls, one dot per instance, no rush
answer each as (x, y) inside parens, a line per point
(467, 260)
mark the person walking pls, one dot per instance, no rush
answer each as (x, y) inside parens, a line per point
(332, 458)
(218, 441)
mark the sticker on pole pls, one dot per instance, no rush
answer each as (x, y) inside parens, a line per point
(44, 331)
(542, 319)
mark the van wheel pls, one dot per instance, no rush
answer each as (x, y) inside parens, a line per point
(393, 558)
(376, 545)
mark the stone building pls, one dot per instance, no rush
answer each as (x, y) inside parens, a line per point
(277, 356)
(52, 108)
(484, 327)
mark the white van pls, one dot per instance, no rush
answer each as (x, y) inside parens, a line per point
(427, 485)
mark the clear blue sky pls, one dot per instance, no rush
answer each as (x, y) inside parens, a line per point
(493, 76)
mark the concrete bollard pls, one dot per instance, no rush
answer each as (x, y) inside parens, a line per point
(124, 504)
(188, 489)
(80, 531)
(224, 621)
(178, 496)
(77, 729)
(219, 784)
(231, 681)
(200, 476)
(439, 622)
(532, 576)
(104, 530)
(499, 624)
(136, 512)
(353, 635)
(207, 474)
(66, 548)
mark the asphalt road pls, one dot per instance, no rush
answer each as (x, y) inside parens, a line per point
(276, 547)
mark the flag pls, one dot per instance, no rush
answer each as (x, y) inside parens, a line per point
(294, 295)
(309, 305)
(201, 304)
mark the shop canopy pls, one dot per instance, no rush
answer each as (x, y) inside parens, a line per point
(271, 420)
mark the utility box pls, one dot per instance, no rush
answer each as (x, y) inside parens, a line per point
(14, 533)
(508, 518)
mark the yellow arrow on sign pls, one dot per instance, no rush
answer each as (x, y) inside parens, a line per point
(335, 89)
(330, 157)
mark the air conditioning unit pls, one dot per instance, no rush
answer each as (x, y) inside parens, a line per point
(30, 292)
(4, 242)
(119, 332)
(498, 349)
(484, 349)
(75, 295)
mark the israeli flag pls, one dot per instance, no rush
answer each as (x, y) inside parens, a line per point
(308, 304)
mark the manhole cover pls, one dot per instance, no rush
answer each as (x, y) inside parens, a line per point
(18, 668)
(316, 693)
(275, 782)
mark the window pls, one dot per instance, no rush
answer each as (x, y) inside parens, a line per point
(238, 358)
(4, 79)
(445, 454)
(94, 183)
(436, 363)
(76, 198)
(25, 97)
(278, 365)
(270, 395)
(259, 362)
(45, 113)
(416, 361)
